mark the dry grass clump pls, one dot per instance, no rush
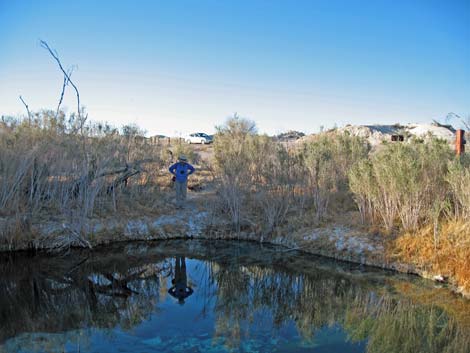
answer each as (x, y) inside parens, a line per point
(447, 254)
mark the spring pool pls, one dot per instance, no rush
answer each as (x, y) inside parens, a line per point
(220, 296)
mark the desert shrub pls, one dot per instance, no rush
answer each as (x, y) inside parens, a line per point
(231, 163)
(255, 176)
(273, 178)
(327, 161)
(401, 182)
(361, 180)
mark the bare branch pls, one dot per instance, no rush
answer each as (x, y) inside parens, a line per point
(135, 166)
(65, 84)
(66, 76)
(27, 108)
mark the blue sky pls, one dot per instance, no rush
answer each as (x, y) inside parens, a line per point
(175, 67)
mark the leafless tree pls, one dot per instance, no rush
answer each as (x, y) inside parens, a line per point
(67, 81)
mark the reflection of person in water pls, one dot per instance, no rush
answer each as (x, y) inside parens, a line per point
(180, 289)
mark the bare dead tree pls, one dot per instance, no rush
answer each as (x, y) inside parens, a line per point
(67, 80)
(27, 108)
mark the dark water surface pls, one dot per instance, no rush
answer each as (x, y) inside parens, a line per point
(218, 296)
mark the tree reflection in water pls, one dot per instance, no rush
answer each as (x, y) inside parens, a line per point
(121, 286)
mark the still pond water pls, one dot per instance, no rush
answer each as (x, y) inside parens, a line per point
(201, 296)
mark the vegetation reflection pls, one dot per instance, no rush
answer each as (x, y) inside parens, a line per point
(124, 286)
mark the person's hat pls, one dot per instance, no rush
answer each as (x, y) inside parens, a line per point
(182, 158)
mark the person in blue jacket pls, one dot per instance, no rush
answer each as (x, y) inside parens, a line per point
(181, 170)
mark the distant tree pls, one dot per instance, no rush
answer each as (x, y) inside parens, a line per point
(237, 126)
(131, 130)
